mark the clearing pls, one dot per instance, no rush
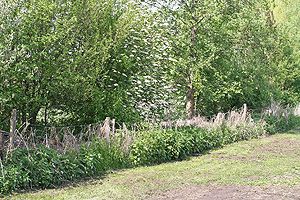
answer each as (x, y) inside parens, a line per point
(267, 168)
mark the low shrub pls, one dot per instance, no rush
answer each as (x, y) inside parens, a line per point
(45, 168)
(275, 124)
(152, 147)
(280, 118)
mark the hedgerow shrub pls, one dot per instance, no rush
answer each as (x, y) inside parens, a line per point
(158, 146)
(280, 118)
(275, 124)
(44, 168)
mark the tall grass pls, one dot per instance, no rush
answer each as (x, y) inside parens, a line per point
(297, 110)
(280, 118)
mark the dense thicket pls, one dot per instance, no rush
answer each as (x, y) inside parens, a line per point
(67, 61)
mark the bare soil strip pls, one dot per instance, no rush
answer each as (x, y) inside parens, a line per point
(230, 193)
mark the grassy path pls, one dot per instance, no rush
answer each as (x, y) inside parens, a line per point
(267, 168)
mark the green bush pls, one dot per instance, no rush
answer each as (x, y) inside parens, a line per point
(281, 124)
(45, 168)
(158, 146)
(42, 167)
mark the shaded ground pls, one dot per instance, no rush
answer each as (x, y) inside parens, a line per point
(268, 168)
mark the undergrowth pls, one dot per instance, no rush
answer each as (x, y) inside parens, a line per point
(281, 124)
(158, 146)
(43, 167)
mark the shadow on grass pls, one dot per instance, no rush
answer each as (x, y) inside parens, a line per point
(65, 184)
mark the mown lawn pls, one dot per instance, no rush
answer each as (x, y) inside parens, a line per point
(270, 163)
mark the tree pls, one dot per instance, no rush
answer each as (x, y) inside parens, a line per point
(54, 55)
(287, 18)
(82, 60)
(223, 51)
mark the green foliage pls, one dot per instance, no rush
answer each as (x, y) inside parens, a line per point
(223, 51)
(281, 124)
(76, 58)
(286, 14)
(81, 61)
(153, 147)
(43, 167)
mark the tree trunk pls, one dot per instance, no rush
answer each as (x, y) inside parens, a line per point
(190, 102)
(33, 116)
(190, 97)
(12, 132)
(1, 145)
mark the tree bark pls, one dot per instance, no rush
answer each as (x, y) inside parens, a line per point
(33, 116)
(1, 145)
(190, 102)
(12, 133)
(190, 97)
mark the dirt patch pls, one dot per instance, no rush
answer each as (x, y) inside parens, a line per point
(280, 146)
(250, 158)
(229, 193)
